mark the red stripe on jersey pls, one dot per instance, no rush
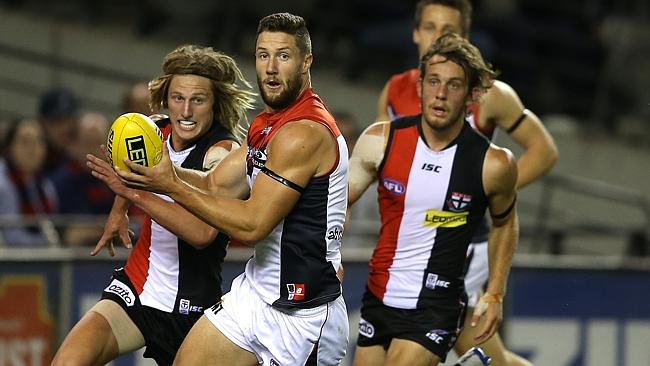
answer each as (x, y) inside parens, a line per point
(392, 192)
(308, 106)
(137, 266)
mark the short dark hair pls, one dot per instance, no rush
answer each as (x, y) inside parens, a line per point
(290, 24)
(463, 6)
(457, 49)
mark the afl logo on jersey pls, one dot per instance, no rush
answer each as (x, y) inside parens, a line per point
(394, 186)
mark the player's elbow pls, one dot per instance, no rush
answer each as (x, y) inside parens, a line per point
(551, 154)
(249, 236)
(251, 233)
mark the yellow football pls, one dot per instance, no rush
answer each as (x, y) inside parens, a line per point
(136, 137)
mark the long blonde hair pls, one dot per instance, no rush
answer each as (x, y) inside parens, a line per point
(232, 94)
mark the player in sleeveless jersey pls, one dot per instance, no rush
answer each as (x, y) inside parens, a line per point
(436, 177)
(499, 108)
(174, 271)
(290, 178)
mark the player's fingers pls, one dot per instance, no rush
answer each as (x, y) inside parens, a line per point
(165, 152)
(111, 248)
(97, 165)
(479, 310)
(104, 151)
(100, 244)
(125, 240)
(137, 168)
(92, 162)
(130, 179)
(487, 329)
(475, 319)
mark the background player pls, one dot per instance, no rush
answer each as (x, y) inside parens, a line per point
(174, 271)
(499, 107)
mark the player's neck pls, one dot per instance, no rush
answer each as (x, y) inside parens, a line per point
(439, 138)
(305, 85)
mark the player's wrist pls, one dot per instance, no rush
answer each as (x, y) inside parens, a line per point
(492, 297)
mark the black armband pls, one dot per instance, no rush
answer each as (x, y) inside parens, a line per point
(518, 121)
(505, 213)
(282, 180)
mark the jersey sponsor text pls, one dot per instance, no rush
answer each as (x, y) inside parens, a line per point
(436, 218)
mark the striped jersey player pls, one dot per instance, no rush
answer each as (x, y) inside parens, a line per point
(436, 178)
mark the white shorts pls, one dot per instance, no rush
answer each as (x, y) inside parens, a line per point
(282, 337)
(477, 272)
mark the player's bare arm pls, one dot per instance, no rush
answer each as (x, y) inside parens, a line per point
(168, 214)
(499, 181)
(215, 154)
(503, 107)
(299, 152)
(382, 104)
(179, 221)
(116, 229)
(366, 157)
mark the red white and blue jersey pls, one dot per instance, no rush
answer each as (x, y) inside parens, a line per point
(295, 265)
(430, 204)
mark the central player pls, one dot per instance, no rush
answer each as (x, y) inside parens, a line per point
(290, 180)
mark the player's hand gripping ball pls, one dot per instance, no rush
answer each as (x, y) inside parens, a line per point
(136, 137)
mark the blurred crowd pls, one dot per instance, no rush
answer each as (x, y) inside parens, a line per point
(44, 180)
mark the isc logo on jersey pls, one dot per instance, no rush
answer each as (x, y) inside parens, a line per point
(437, 335)
(136, 137)
(437, 218)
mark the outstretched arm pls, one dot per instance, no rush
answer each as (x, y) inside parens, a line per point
(503, 106)
(499, 180)
(168, 214)
(116, 229)
(298, 152)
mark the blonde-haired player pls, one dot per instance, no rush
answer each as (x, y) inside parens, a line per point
(174, 271)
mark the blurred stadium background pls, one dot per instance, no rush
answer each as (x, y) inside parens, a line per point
(577, 291)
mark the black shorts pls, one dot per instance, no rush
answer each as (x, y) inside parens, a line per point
(163, 332)
(436, 328)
